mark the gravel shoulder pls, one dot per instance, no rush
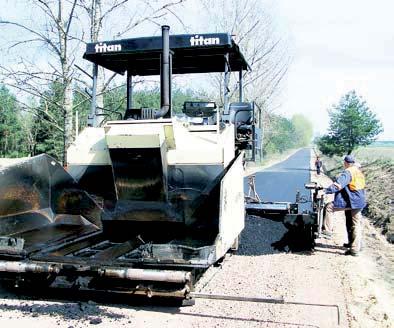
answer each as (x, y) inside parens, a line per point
(368, 280)
(362, 287)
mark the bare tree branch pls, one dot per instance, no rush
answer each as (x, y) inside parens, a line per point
(154, 15)
(112, 8)
(36, 110)
(71, 17)
(40, 35)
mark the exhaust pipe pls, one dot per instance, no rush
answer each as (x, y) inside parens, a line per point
(165, 76)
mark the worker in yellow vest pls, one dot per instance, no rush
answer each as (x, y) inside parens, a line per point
(350, 196)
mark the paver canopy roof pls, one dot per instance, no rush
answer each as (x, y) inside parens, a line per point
(191, 53)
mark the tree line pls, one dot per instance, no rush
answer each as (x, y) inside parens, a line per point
(50, 88)
(26, 134)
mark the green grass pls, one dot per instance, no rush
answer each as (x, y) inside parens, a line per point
(373, 153)
(383, 144)
(377, 154)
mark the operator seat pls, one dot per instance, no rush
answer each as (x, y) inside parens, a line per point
(241, 113)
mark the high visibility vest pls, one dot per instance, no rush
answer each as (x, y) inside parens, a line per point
(358, 179)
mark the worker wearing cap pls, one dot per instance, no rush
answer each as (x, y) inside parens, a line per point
(349, 190)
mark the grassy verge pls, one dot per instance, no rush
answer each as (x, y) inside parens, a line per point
(378, 167)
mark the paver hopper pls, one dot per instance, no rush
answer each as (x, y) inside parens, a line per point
(148, 202)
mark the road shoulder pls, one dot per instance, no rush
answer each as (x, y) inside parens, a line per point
(367, 280)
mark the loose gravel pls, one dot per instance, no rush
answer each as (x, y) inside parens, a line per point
(255, 271)
(356, 285)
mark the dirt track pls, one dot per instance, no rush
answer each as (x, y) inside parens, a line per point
(362, 287)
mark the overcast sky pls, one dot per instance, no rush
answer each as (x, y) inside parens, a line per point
(338, 46)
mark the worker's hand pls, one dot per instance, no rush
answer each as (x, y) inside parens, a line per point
(336, 184)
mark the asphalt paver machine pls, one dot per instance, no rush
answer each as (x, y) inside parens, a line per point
(148, 202)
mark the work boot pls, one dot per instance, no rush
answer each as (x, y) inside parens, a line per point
(350, 252)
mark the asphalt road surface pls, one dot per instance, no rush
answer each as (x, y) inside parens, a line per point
(280, 182)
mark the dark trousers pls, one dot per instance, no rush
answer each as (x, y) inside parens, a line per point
(354, 228)
(354, 224)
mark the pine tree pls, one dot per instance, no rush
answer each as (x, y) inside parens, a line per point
(352, 124)
(48, 123)
(12, 133)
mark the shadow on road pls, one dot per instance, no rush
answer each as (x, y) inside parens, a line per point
(83, 310)
(329, 249)
(80, 311)
(79, 305)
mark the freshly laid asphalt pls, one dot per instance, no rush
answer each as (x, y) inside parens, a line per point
(280, 182)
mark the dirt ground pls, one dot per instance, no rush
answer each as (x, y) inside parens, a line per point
(368, 279)
(362, 287)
